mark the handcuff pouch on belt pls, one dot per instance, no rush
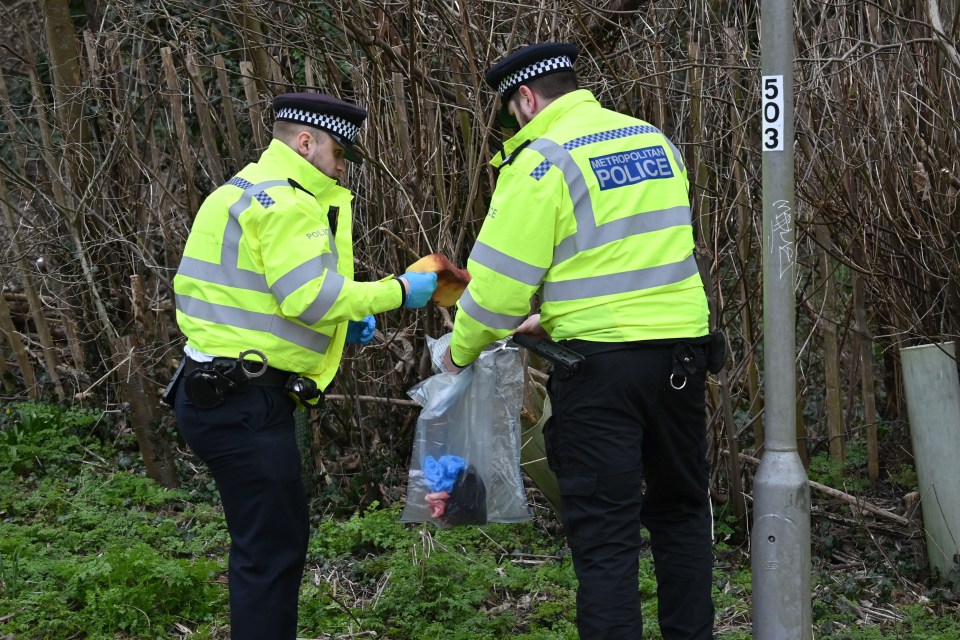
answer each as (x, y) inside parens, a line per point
(208, 385)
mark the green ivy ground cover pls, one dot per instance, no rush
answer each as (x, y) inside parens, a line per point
(92, 549)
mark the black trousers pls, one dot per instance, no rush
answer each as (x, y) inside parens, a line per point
(616, 423)
(248, 443)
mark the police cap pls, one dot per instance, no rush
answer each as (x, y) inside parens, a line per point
(342, 120)
(526, 64)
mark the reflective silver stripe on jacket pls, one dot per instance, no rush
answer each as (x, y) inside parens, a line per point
(224, 276)
(302, 274)
(278, 326)
(229, 255)
(487, 317)
(329, 291)
(614, 283)
(228, 273)
(498, 261)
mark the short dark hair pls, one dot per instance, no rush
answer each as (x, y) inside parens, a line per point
(550, 86)
(555, 85)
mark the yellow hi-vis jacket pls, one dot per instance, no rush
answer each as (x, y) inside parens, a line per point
(268, 265)
(592, 209)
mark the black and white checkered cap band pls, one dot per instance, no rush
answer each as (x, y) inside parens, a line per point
(343, 128)
(534, 70)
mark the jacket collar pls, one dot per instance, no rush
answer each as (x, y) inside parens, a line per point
(279, 154)
(542, 122)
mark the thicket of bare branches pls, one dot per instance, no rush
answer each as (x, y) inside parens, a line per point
(117, 122)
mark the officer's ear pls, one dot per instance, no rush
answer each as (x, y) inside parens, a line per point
(302, 142)
(525, 103)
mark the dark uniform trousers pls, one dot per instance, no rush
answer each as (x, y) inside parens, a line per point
(616, 423)
(248, 443)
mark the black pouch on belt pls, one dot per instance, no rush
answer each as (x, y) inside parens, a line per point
(716, 351)
(170, 393)
(207, 386)
(687, 360)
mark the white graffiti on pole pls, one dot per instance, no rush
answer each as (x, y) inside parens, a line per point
(781, 234)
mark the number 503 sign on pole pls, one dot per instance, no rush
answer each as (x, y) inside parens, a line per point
(772, 113)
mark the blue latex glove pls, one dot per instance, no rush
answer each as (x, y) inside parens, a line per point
(361, 331)
(422, 286)
(440, 475)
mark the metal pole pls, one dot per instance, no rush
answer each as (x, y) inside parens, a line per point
(780, 545)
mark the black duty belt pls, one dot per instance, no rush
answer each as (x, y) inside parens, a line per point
(591, 348)
(271, 377)
(207, 384)
(711, 347)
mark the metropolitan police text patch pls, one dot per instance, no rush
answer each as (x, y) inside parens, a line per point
(631, 167)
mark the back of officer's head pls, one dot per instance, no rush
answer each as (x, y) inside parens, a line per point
(545, 68)
(551, 87)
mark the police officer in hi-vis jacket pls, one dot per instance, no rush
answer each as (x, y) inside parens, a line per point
(266, 298)
(591, 214)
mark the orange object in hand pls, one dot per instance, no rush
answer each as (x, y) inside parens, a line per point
(451, 280)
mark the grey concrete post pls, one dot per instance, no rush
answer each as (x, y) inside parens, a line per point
(932, 389)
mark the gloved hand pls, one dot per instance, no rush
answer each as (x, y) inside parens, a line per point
(361, 331)
(422, 286)
(449, 366)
